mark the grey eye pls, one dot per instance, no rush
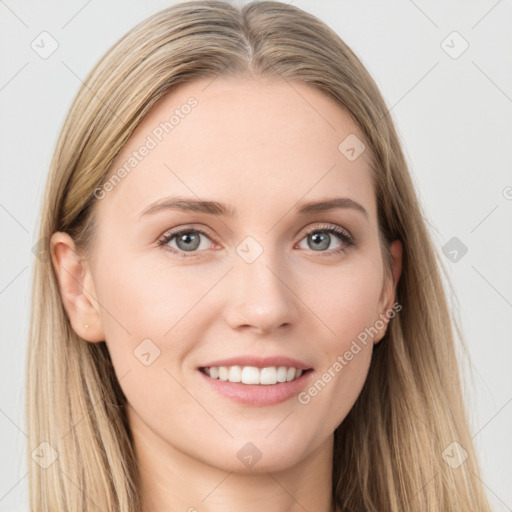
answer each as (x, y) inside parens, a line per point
(319, 241)
(186, 240)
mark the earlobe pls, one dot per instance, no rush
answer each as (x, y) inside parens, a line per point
(76, 288)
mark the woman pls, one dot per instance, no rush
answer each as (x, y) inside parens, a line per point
(241, 307)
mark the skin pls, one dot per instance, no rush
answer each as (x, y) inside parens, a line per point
(262, 149)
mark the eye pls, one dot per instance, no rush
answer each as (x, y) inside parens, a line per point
(186, 240)
(320, 238)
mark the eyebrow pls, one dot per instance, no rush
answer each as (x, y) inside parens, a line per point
(216, 208)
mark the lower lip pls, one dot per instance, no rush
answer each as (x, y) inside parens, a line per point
(258, 394)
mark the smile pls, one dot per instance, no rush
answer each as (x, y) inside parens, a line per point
(253, 386)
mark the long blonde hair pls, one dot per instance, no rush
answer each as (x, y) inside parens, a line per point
(388, 452)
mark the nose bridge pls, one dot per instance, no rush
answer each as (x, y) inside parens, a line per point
(260, 294)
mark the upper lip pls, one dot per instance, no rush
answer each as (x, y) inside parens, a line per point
(259, 362)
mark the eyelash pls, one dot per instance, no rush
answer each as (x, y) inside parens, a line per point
(345, 237)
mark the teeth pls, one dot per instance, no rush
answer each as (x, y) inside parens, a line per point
(253, 375)
(235, 374)
(250, 375)
(281, 374)
(268, 375)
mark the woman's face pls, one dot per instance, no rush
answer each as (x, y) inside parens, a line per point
(258, 282)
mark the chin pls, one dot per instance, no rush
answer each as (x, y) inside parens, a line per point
(254, 455)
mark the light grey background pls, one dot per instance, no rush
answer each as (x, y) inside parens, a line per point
(454, 116)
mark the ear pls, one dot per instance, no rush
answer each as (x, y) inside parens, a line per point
(76, 288)
(389, 287)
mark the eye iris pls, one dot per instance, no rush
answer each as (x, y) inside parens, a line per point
(191, 241)
(321, 240)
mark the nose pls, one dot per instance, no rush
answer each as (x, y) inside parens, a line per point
(260, 295)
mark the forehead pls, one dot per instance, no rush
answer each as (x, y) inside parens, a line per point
(241, 141)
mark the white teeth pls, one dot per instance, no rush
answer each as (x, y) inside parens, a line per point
(268, 375)
(281, 374)
(223, 373)
(252, 375)
(235, 374)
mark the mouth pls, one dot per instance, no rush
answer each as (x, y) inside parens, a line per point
(253, 375)
(256, 386)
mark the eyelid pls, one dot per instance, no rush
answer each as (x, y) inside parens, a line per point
(187, 227)
(326, 226)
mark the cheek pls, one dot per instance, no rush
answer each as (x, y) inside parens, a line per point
(336, 386)
(346, 299)
(347, 303)
(147, 298)
(149, 315)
